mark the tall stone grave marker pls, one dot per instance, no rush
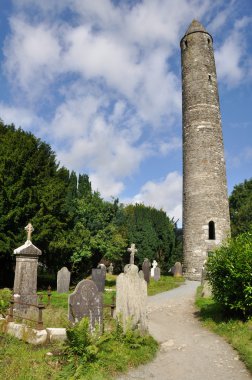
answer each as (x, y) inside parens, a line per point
(132, 251)
(146, 270)
(177, 269)
(154, 265)
(25, 282)
(110, 268)
(63, 280)
(99, 277)
(157, 273)
(131, 299)
(86, 301)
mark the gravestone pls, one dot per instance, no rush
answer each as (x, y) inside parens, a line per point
(154, 265)
(131, 299)
(25, 281)
(146, 270)
(177, 269)
(132, 251)
(86, 301)
(110, 268)
(63, 280)
(99, 277)
(157, 274)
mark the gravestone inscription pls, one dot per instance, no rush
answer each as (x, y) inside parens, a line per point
(63, 280)
(86, 301)
(99, 277)
(146, 270)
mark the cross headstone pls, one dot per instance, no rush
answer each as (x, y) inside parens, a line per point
(154, 265)
(86, 301)
(131, 299)
(157, 274)
(29, 229)
(25, 282)
(146, 270)
(110, 268)
(132, 251)
(63, 280)
(99, 277)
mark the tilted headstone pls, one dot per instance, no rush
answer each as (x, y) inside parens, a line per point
(146, 270)
(132, 251)
(25, 282)
(99, 277)
(110, 268)
(86, 301)
(131, 299)
(157, 274)
(177, 269)
(154, 265)
(63, 280)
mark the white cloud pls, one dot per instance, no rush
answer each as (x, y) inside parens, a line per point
(165, 194)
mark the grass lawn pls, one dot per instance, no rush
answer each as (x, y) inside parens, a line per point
(116, 352)
(237, 332)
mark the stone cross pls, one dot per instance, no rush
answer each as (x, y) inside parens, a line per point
(132, 251)
(29, 229)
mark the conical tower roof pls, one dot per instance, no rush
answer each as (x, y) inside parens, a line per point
(195, 26)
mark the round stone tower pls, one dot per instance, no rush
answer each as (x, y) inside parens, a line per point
(206, 219)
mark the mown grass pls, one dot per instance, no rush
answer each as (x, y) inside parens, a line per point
(237, 332)
(164, 284)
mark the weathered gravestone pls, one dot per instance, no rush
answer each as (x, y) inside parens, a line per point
(146, 270)
(154, 265)
(25, 282)
(157, 274)
(63, 280)
(131, 299)
(99, 277)
(132, 251)
(86, 301)
(177, 269)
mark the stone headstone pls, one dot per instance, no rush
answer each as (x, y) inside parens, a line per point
(132, 251)
(206, 290)
(63, 280)
(110, 268)
(99, 277)
(146, 270)
(154, 265)
(25, 281)
(86, 301)
(177, 270)
(203, 273)
(157, 274)
(131, 299)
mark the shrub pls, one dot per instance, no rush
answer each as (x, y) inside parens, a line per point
(230, 274)
(5, 296)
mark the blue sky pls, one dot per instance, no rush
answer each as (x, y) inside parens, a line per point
(100, 82)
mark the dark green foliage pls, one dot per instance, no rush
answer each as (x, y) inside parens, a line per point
(5, 296)
(230, 274)
(240, 204)
(153, 233)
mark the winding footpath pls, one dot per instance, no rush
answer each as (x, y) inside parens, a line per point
(188, 351)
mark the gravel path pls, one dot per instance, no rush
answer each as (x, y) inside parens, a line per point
(188, 351)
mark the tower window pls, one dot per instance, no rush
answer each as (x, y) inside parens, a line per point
(209, 78)
(185, 44)
(211, 230)
(209, 41)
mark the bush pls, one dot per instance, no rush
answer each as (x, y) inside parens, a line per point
(230, 274)
(5, 296)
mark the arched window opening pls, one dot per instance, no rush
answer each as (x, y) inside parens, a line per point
(209, 41)
(209, 78)
(211, 230)
(185, 44)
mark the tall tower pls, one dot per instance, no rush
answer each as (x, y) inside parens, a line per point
(206, 219)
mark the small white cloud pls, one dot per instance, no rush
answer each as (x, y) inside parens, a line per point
(167, 147)
(165, 194)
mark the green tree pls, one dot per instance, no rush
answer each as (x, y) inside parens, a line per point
(240, 204)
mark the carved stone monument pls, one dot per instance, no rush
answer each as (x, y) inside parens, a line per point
(146, 270)
(86, 301)
(154, 265)
(99, 277)
(177, 269)
(63, 280)
(157, 273)
(110, 268)
(132, 251)
(25, 282)
(131, 298)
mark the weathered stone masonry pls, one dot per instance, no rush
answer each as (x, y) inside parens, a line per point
(205, 202)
